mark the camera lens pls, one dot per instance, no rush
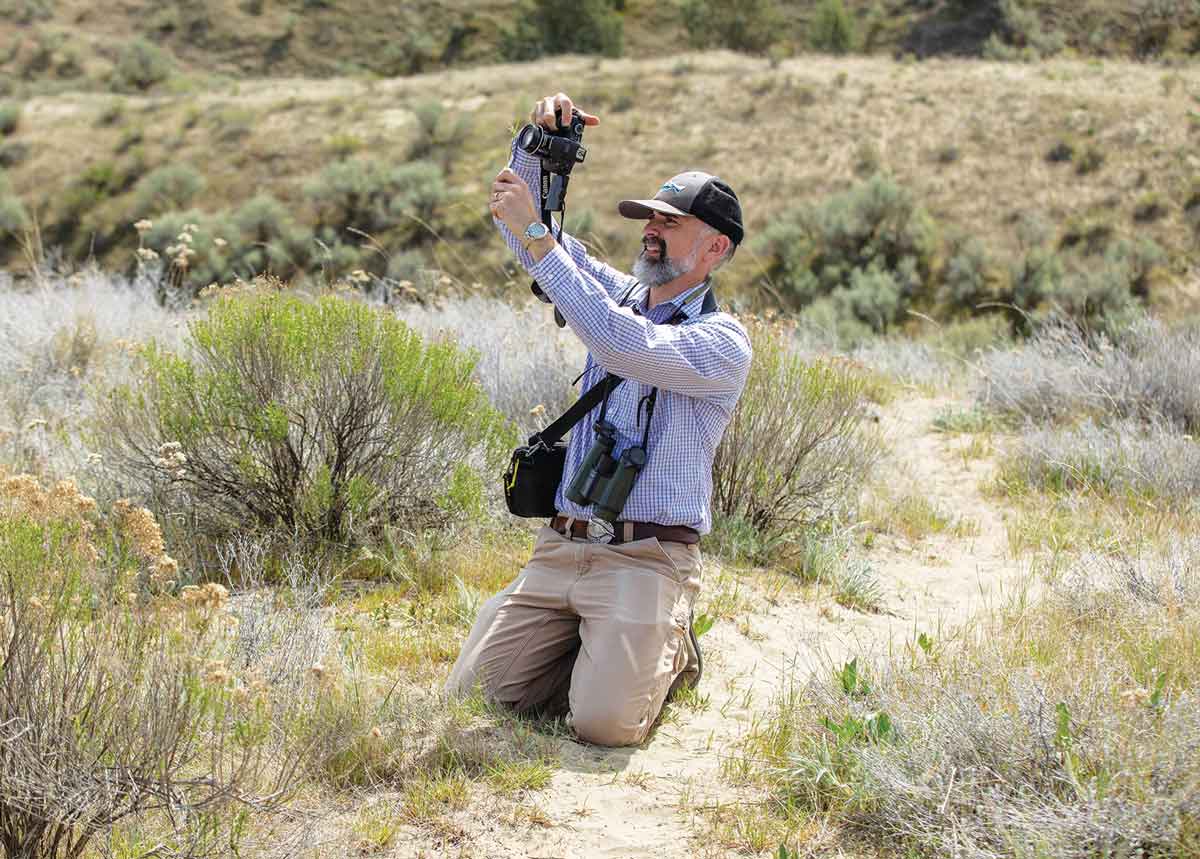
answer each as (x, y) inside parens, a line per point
(530, 138)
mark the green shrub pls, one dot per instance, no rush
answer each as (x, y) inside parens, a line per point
(751, 26)
(873, 241)
(1031, 279)
(13, 153)
(365, 195)
(258, 237)
(1023, 32)
(13, 217)
(141, 65)
(798, 444)
(10, 118)
(832, 29)
(1062, 151)
(267, 238)
(1149, 208)
(552, 27)
(1089, 160)
(410, 54)
(325, 420)
(968, 279)
(166, 189)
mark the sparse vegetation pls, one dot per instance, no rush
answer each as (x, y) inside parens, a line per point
(904, 208)
(1067, 724)
(10, 118)
(797, 445)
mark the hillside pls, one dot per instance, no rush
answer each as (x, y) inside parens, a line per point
(1092, 151)
(51, 44)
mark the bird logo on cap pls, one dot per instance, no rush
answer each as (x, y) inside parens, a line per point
(672, 186)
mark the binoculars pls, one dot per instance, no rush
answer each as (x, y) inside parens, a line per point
(603, 480)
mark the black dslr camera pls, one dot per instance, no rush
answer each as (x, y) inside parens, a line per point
(559, 151)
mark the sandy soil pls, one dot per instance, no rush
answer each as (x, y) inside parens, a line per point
(644, 802)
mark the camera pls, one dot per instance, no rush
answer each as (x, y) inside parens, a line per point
(603, 481)
(559, 150)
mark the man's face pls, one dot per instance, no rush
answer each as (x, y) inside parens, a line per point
(670, 248)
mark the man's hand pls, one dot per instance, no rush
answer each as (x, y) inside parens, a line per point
(512, 202)
(543, 111)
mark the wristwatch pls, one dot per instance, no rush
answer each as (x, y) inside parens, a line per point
(536, 230)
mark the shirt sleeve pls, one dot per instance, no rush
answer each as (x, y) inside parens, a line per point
(613, 281)
(707, 359)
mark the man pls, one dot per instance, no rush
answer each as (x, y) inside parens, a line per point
(606, 610)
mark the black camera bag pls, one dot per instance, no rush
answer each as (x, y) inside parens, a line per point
(536, 469)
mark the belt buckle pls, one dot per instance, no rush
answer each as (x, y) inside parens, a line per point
(599, 531)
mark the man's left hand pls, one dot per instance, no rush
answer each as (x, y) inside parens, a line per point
(512, 202)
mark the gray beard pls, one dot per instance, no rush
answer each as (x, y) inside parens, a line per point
(657, 273)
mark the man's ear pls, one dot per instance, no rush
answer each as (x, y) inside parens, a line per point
(719, 245)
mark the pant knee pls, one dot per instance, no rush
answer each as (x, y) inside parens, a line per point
(604, 724)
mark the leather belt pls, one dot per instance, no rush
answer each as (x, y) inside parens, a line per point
(580, 530)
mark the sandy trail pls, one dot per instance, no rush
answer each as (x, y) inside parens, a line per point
(636, 802)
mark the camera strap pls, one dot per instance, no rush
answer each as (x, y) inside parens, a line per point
(599, 393)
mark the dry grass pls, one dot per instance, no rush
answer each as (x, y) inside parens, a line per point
(1068, 723)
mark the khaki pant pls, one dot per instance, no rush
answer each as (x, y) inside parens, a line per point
(609, 620)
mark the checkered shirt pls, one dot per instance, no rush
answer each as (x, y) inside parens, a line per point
(699, 366)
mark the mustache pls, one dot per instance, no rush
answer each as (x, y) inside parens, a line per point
(656, 243)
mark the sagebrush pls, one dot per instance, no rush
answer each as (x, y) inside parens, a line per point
(325, 420)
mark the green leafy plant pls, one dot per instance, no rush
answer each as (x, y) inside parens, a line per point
(141, 65)
(549, 27)
(326, 420)
(832, 29)
(870, 252)
(10, 117)
(752, 27)
(166, 189)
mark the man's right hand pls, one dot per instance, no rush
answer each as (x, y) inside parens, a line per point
(543, 111)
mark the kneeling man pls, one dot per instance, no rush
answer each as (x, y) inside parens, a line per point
(601, 612)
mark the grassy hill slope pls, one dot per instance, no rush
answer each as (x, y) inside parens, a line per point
(134, 44)
(979, 144)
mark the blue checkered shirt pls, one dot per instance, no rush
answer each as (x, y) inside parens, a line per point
(699, 366)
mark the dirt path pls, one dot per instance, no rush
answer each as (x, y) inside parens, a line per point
(636, 802)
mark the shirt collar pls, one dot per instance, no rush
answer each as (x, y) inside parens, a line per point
(689, 302)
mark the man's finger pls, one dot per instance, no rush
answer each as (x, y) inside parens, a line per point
(563, 103)
(589, 119)
(548, 112)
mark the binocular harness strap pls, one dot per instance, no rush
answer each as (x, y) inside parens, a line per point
(600, 392)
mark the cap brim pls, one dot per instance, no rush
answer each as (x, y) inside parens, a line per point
(642, 209)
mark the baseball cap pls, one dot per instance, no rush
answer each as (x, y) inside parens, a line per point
(693, 193)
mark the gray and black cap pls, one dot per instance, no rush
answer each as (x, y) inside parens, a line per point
(701, 195)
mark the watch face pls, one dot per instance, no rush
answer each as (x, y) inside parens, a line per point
(536, 230)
